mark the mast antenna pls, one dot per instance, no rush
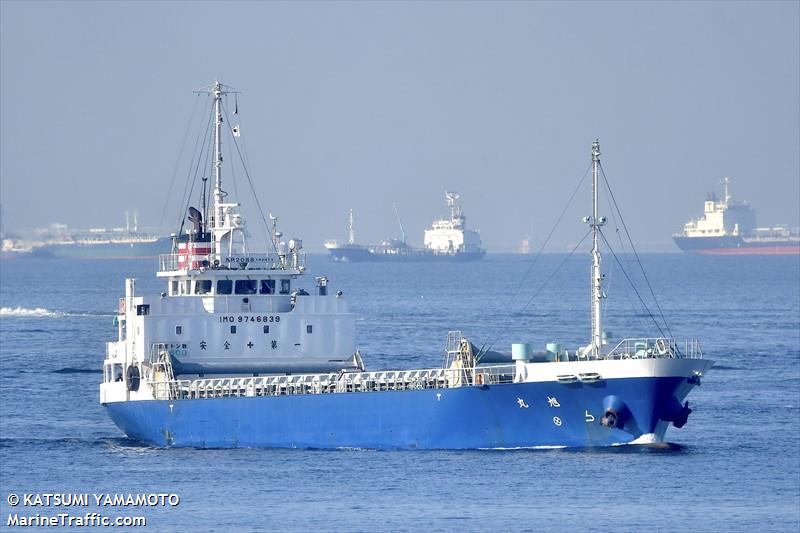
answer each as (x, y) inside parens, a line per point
(351, 227)
(217, 89)
(455, 209)
(400, 222)
(727, 181)
(596, 278)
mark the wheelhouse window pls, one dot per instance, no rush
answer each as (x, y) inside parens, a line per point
(286, 286)
(224, 286)
(266, 329)
(174, 286)
(246, 286)
(178, 330)
(233, 329)
(202, 286)
(267, 286)
(309, 329)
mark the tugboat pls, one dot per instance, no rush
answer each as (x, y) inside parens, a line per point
(728, 227)
(448, 239)
(233, 354)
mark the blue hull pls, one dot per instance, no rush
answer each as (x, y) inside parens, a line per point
(730, 245)
(496, 416)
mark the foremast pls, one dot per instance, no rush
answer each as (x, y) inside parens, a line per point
(597, 295)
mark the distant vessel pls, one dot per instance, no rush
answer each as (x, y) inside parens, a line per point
(524, 246)
(448, 239)
(59, 241)
(233, 353)
(728, 227)
(108, 246)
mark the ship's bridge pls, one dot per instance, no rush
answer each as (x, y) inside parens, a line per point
(209, 274)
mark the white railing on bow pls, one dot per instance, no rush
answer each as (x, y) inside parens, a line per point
(650, 347)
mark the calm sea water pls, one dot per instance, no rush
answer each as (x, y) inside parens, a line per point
(735, 466)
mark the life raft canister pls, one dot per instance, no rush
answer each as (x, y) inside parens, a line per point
(133, 378)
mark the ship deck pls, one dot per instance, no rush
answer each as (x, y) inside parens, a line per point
(402, 380)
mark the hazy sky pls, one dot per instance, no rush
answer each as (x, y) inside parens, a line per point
(365, 104)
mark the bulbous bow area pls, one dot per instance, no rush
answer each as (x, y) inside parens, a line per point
(615, 412)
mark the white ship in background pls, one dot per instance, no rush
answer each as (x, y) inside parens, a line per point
(728, 227)
(448, 239)
(451, 236)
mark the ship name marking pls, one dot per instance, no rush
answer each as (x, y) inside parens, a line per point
(557, 421)
(553, 402)
(522, 404)
(589, 416)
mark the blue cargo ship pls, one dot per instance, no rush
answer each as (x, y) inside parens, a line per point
(233, 353)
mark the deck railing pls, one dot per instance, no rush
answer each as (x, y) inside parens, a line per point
(391, 380)
(183, 261)
(647, 347)
(397, 380)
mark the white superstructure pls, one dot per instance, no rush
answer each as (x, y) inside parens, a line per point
(722, 217)
(225, 310)
(451, 236)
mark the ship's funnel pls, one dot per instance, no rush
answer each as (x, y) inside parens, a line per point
(196, 218)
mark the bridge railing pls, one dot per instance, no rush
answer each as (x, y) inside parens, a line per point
(179, 262)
